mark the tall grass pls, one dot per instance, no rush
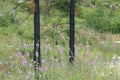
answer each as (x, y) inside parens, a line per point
(90, 64)
(97, 57)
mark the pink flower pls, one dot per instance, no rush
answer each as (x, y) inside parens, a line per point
(51, 58)
(45, 68)
(113, 44)
(18, 54)
(57, 65)
(89, 33)
(62, 36)
(37, 45)
(56, 60)
(61, 50)
(24, 62)
(87, 46)
(27, 77)
(25, 45)
(43, 60)
(27, 54)
(20, 71)
(50, 49)
(37, 54)
(29, 73)
(30, 65)
(87, 54)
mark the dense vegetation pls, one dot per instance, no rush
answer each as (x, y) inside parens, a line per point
(97, 26)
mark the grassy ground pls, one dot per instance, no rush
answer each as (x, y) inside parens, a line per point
(94, 52)
(97, 57)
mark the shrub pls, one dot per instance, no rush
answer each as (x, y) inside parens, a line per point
(103, 20)
(62, 5)
(5, 20)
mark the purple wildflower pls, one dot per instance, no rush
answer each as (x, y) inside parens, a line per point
(77, 50)
(61, 50)
(20, 71)
(30, 65)
(24, 62)
(51, 58)
(25, 45)
(27, 77)
(113, 45)
(27, 54)
(29, 73)
(89, 33)
(87, 46)
(45, 68)
(87, 54)
(18, 54)
(50, 49)
(37, 45)
(37, 54)
(43, 60)
(56, 60)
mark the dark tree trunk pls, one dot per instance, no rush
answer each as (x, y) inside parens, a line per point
(37, 55)
(72, 32)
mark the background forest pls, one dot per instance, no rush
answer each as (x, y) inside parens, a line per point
(97, 29)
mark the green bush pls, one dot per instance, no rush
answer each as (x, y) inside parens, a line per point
(25, 32)
(103, 20)
(62, 5)
(5, 20)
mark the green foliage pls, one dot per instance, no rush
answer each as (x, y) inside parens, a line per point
(24, 7)
(6, 20)
(103, 20)
(93, 1)
(25, 32)
(92, 52)
(62, 5)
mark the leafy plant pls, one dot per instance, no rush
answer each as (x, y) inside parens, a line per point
(63, 5)
(103, 20)
(6, 19)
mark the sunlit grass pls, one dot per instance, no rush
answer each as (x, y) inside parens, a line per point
(93, 56)
(90, 63)
(97, 56)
